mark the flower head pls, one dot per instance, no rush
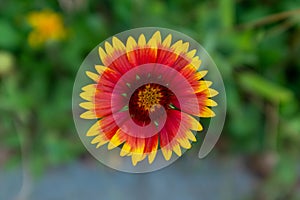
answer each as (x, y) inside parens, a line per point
(146, 97)
(47, 26)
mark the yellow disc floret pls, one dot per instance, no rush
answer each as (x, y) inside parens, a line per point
(149, 98)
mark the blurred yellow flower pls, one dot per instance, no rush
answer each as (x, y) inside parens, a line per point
(47, 26)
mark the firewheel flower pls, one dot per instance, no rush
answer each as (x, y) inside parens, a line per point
(147, 96)
(46, 26)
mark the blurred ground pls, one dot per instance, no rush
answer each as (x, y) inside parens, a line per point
(209, 179)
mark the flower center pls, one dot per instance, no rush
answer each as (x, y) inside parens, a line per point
(149, 97)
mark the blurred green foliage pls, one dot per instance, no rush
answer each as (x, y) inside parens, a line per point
(255, 44)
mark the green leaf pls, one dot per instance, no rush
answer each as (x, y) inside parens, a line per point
(264, 88)
(9, 37)
(227, 13)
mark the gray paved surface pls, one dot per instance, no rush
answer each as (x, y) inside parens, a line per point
(208, 179)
